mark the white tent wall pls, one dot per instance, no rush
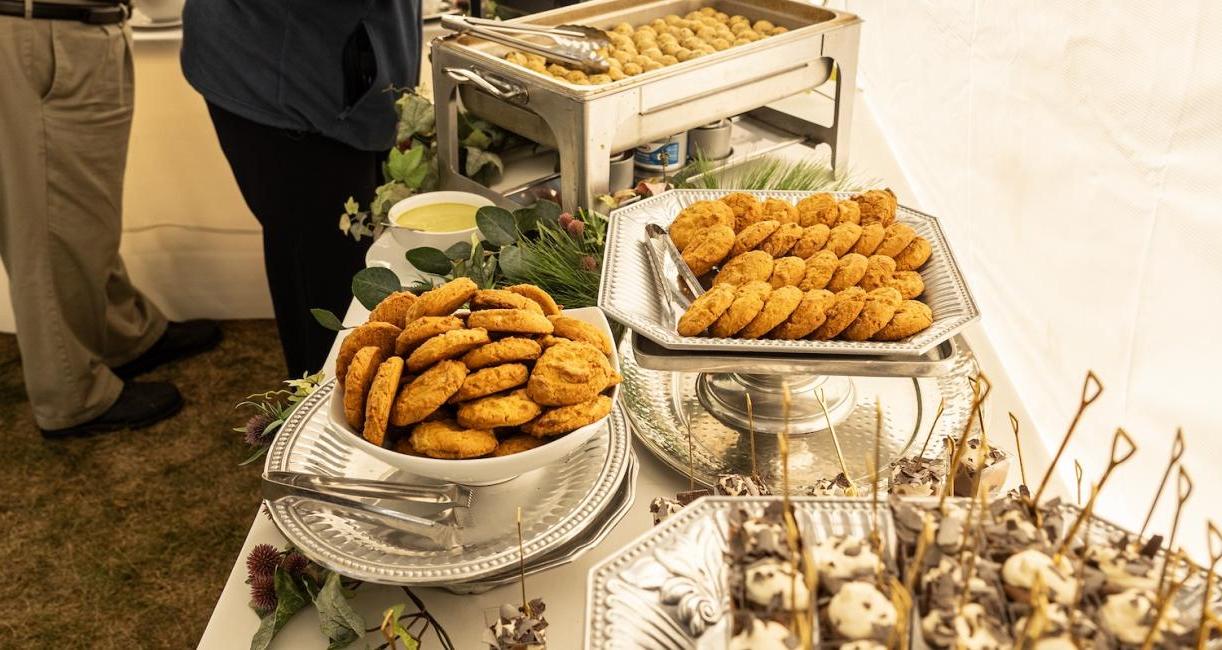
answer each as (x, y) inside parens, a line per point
(1074, 150)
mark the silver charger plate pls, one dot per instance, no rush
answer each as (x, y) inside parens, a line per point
(559, 502)
(630, 290)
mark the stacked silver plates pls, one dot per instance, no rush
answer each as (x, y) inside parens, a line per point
(566, 509)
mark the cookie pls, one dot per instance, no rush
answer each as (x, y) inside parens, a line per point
(541, 297)
(752, 266)
(819, 270)
(842, 238)
(748, 301)
(516, 444)
(747, 209)
(422, 329)
(910, 284)
(548, 340)
(378, 334)
(427, 392)
(778, 243)
(787, 272)
(777, 308)
(911, 318)
(818, 209)
(780, 210)
(493, 379)
(813, 239)
(507, 350)
(506, 410)
(914, 255)
(380, 399)
(569, 373)
(877, 206)
(849, 271)
(503, 299)
(848, 212)
(896, 239)
(360, 375)
(443, 300)
(750, 237)
(705, 309)
(447, 439)
(448, 345)
(878, 310)
(564, 419)
(708, 248)
(844, 310)
(510, 321)
(871, 236)
(879, 269)
(393, 308)
(697, 217)
(809, 315)
(567, 327)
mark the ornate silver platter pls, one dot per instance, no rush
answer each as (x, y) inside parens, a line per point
(666, 589)
(630, 290)
(559, 503)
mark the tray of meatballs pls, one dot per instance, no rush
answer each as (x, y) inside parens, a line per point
(784, 272)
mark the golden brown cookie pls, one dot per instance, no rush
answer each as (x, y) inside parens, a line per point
(879, 269)
(877, 206)
(393, 308)
(844, 310)
(548, 340)
(871, 236)
(813, 239)
(842, 238)
(493, 379)
(787, 272)
(778, 243)
(503, 299)
(809, 315)
(541, 297)
(447, 345)
(897, 237)
(751, 266)
(848, 212)
(564, 419)
(443, 300)
(880, 307)
(516, 444)
(818, 209)
(708, 248)
(567, 327)
(750, 237)
(510, 321)
(914, 255)
(777, 308)
(747, 209)
(568, 373)
(780, 210)
(705, 309)
(506, 410)
(356, 383)
(698, 217)
(381, 397)
(507, 350)
(911, 318)
(850, 270)
(422, 329)
(748, 301)
(427, 392)
(446, 439)
(910, 284)
(819, 270)
(378, 334)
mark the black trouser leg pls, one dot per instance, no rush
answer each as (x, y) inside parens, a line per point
(296, 184)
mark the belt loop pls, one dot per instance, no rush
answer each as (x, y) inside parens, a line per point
(29, 9)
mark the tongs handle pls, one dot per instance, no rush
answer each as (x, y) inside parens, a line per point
(444, 494)
(521, 28)
(498, 35)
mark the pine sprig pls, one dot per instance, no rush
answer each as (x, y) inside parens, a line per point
(770, 173)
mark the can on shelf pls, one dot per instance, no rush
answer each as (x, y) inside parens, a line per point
(711, 140)
(667, 155)
(621, 177)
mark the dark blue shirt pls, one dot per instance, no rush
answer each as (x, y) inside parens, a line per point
(322, 66)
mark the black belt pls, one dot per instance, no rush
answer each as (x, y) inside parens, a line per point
(99, 14)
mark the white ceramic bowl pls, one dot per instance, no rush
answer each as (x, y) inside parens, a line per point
(410, 238)
(486, 471)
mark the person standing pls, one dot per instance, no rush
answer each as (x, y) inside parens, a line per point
(82, 328)
(301, 95)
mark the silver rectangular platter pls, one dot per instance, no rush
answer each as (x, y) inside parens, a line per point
(632, 290)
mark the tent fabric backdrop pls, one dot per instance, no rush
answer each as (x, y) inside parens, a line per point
(1074, 151)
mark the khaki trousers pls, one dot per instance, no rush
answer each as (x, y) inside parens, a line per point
(65, 116)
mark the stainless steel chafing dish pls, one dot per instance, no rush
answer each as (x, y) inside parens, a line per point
(587, 124)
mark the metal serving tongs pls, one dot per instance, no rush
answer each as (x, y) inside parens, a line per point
(572, 45)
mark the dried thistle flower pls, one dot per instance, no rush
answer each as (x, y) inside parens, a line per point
(294, 563)
(262, 562)
(255, 429)
(263, 594)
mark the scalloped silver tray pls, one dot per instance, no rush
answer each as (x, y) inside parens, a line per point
(559, 503)
(630, 290)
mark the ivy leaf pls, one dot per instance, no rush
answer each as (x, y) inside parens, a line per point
(496, 225)
(289, 600)
(338, 620)
(478, 159)
(459, 250)
(430, 260)
(387, 195)
(415, 178)
(477, 139)
(350, 206)
(416, 116)
(327, 319)
(371, 286)
(399, 165)
(513, 263)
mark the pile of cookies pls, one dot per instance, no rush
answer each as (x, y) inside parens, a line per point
(513, 373)
(822, 269)
(665, 41)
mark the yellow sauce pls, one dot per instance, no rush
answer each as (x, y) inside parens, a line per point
(438, 217)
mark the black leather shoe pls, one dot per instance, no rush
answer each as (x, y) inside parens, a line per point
(139, 405)
(180, 341)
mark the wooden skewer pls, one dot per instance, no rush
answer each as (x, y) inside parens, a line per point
(1164, 599)
(1114, 461)
(805, 634)
(751, 432)
(937, 416)
(978, 397)
(1077, 472)
(1038, 617)
(1177, 452)
(970, 572)
(1018, 448)
(981, 460)
(1183, 490)
(901, 599)
(1213, 541)
(918, 557)
(522, 566)
(1087, 400)
(844, 468)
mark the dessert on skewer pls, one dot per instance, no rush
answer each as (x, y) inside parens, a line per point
(519, 628)
(918, 476)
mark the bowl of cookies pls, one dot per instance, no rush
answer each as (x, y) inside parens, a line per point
(478, 395)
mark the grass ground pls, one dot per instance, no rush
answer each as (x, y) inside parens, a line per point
(125, 540)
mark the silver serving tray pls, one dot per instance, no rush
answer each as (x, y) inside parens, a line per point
(666, 589)
(630, 291)
(559, 503)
